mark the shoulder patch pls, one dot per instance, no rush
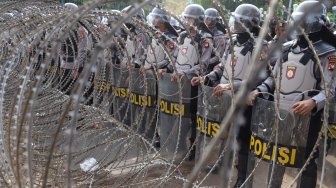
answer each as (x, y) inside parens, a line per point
(82, 32)
(205, 43)
(170, 45)
(331, 62)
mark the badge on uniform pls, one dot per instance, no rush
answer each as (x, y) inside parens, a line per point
(331, 62)
(262, 56)
(82, 33)
(170, 45)
(184, 50)
(205, 44)
(290, 72)
(234, 62)
(139, 38)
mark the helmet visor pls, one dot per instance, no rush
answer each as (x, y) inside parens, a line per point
(307, 24)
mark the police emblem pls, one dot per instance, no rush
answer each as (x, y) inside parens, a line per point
(206, 43)
(331, 62)
(233, 62)
(290, 72)
(171, 45)
(139, 38)
(262, 56)
(184, 50)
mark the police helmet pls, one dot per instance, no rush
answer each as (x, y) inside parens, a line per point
(139, 14)
(246, 16)
(70, 6)
(174, 22)
(314, 19)
(159, 15)
(212, 14)
(194, 11)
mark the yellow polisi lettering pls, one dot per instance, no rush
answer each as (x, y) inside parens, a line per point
(264, 152)
(208, 128)
(215, 128)
(257, 147)
(171, 108)
(284, 155)
(120, 92)
(293, 156)
(140, 100)
(252, 142)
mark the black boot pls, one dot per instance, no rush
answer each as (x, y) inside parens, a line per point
(156, 141)
(309, 176)
(242, 169)
(215, 168)
(192, 154)
(239, 183)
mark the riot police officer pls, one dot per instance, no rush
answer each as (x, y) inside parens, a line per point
(166, 34)
(173, 22)
(163, 47)
(245, 23)
(193, 56)
(300, 74)
(73, 53)
(214, 23)
(193, 59)
(136, 44)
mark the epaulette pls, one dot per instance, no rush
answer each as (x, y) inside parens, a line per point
(218, 33)
(323, 48)
(248, 47)
(206, 35)
(286, 48)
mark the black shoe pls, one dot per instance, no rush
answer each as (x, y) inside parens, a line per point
(239, 183)
(156, 141)
(192, 155)
(215, 169)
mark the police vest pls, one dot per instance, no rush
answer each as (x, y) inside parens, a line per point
(155, 53)
(296, 79)
(187, 56)
(69, 47)
(238, 66)
(130, 47)
(300, 74)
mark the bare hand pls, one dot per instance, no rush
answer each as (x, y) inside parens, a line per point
(220, 88)
(145, 68)
(196, 80)
(130, 66)
(303, 107)
(161, 72)
(252, 96)
(74, 74)
(176, 75)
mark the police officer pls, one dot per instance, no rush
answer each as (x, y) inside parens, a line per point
(298, 58)
(173, 22)
(193, 59)
(136, 44)
(73, 53)
(245, 23)
(214, 23)
(193, 56)
(163, 46)
(166, 35)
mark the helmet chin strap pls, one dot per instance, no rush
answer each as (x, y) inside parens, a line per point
(243, 37)
(314, 37)
(212, 26)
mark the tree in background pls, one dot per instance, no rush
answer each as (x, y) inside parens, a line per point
(175, 6)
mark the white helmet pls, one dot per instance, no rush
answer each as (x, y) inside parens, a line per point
(70, 6)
